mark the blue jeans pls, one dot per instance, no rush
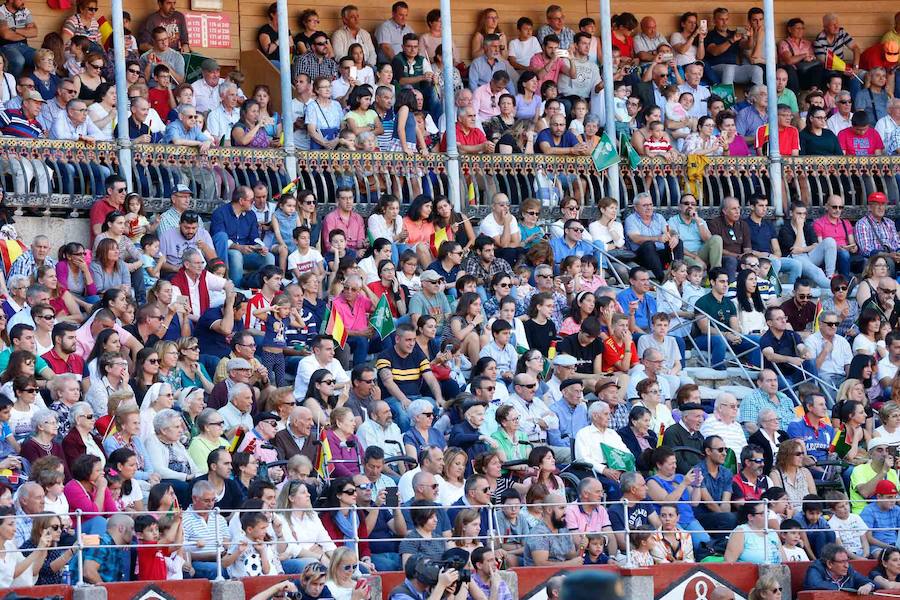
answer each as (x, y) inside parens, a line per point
(237, 262)
(843, 263)
(717, 349)
(788, 265)
(359, 348)
(17, 56)
(206, 570)
(386, 561)
(698, 534)
(293, 566)
(797, 377)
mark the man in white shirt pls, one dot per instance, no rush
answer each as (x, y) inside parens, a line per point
(322, 357)
(831, 351)
(389, 34)
(206, 89)
(840, 120)
(588, 442)
(535, 418)
(73, 124)
(723, 423)
(65, 91)
(223, 118)
(237, 412)
(692, 75)
(351, 33)
(380, 430)
(887, 366)
(651, 362)
(431, 460)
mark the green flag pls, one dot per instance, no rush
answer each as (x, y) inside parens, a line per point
(725, 91)
(381, 319)
(324, 324)
(628, 151)
(730, 461)
(605, 154)
(617, 459)
(192, 71)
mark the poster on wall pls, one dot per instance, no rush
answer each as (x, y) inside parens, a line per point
(208, 30)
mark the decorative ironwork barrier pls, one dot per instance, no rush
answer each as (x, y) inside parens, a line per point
(51, 175)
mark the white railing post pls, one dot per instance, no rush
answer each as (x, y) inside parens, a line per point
(215, 516)
(80, 543)
(612, 173)
(122, 105)
(454, 191)
(287, 89)
(775, 164)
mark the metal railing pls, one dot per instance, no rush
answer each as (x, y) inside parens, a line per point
(493, 539)
(55, 174)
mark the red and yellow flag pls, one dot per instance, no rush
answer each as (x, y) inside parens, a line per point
(323, 456)
(335, 328)
(10, 250)
(440, 235)
(106, 30)
(834, 62)
(819, 309)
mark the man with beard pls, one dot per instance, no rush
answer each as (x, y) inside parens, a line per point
(545, 547)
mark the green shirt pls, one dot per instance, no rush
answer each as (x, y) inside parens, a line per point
(721, 311)
(790, 98)
(511, 450)
(39, 365)
(862, 474)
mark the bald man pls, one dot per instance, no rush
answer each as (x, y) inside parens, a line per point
(297, 437)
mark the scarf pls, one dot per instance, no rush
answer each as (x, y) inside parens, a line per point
(181, 282)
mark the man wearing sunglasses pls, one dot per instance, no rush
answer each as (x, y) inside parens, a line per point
(885, 303)
(831, 351)
(877, 234)
(833, 225)
(799, 310)
(750, 483)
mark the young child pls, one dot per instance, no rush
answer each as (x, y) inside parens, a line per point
(595, 552)
(849, 527)
(693, 287)
(657, 144)
(570, 273)
(135, 218)
(254, 557)
(523, 272)
(161, 95)
(279, 317)
(337, 239)
(217, 266)
(621, 92)
(177, 560)
(6, 431)
(511, 523)
(579, 112)
(590, 278)
(524, 46)
(151, 258)
(792, 541)
(151, 565)
(304, 258)
(409, 264)
(815, 526)
(131, 45)
(549, 91)
(641, 539)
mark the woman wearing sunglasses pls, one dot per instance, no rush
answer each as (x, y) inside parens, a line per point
(767, 587)
(341, 580)
(26, 568)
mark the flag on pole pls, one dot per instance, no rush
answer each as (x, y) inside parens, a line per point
(548, 362)
(326, 319)
(833, 62)
(288, 189)
(605, 155)
(335, 328)
(616, 459)
(725, 91)
(628, 151)
(470, 193)
(382, 320)
(662, 432)
(104, 28)
(440, 235)
(819, 310)
(323, 456)
(730, 461)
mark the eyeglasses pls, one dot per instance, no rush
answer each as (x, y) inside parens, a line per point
(92, 9)
(530, 386)
(96, 66)
(489, 388)
(843, 101)
(47, 317)
(88, 417)
(886, 291)
(830, 323)
(217, 423)
(533, 213)
(804, 296)
(428, 414)
(134, 71)
(366, 381)
(349, 492)
(485, 490)
(349, 567)
(577, 229)
(836, 206)
(721, 450)
(504, 285)
(365, 486)
(758, 461)
(841, 288)
(776, 590)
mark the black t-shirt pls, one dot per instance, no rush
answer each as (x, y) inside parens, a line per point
(729, 57)
(539, 336)
(819, 145)
(508, 140)
(584, 354)
(638, 514)
(133, 330)
(273, 36)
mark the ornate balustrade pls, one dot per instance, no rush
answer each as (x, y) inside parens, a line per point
(47, 175)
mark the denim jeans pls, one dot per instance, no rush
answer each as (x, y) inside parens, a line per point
(386, 561)
(206, 570)
(787, 265)
(698, 534)
(237, 262)
(824, 254)
(718, 346)
(17, 56)
(842, 264)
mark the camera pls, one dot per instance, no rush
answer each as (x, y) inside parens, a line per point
(428, 571)
(292, 595)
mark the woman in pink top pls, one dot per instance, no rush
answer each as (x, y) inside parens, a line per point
(420, 228)
(343, 443)
(354, 304)
(87, 492)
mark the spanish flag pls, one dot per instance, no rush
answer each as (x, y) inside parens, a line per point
(289, 188)
(323, 456)
(335, 328)
(834, 62)
(440, 235)
(662, 432)
(819, 310)
(10, 250)
(471, 193)
(106, 32)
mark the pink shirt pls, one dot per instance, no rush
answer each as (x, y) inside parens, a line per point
(578, 520)
(78, 498)
(485, 102)
(552, 74)
(826, 229)
(353, 227)
(84, 341)
(356, 317)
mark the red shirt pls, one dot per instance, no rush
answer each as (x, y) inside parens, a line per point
(151, 564)
(613, 353)
(788, 139)
(74, 364)
(626, 48)
(159, 99)
(473, 138)
(860, 145)
(99, 210)
(379, 289)
(874, 57)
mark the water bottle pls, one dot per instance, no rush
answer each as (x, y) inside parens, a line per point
(66, 575)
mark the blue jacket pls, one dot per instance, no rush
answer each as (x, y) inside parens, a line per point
(240, 230)
(817, 578)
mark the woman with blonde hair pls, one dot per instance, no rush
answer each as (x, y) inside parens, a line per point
(890, 420)
(488, 23)
(466, 528)
(767, 588)
(790, 474)
(452, 486)
(341, 576)
(518, 139)
(190, 371)
(301, 530)
(854, 389)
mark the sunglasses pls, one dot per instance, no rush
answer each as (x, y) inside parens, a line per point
(841, 288)
(327, 381)
(134, 71)
(804, 296)
(830, 323)
(153, 361)
(533, 213)
(721, 450)
(350, 567)
(430, 415)
(837, 207)
(31, 390)
(530, 386)
(349, 492)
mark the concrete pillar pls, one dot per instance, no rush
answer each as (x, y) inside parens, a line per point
(89, 592)
(227, 589)
(782, 573)
(638, 584)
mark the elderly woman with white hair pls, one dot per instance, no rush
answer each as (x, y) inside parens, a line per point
(422, 433)
(768, 436)
(82, 437)
(65, 391)
(192, 401)
(169, 456)
(15, 297)
(45, 424)
(159, 397)
(211, 428)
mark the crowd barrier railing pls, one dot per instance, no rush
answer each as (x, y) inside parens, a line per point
(493, 539)
(56, 174)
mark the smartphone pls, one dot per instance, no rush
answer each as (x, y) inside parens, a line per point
(562, 53)
(353, 72)
(702, 24)
(449, 348)
(391, 498)
(667, 56)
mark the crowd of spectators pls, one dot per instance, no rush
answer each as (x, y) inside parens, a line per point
(174, 366)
